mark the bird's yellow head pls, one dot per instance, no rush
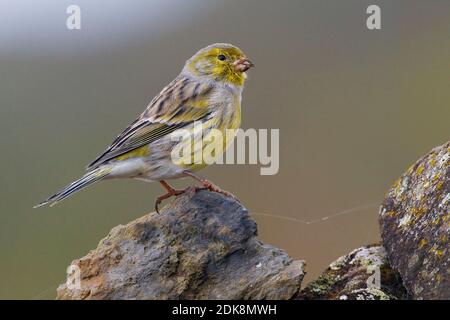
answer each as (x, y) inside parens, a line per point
(220, 62)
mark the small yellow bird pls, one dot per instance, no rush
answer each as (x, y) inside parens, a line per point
(208, 90)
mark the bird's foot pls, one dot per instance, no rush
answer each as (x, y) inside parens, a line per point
(171, 192)
(208, 185)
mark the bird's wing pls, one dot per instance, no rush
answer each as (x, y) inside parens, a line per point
(180, 103)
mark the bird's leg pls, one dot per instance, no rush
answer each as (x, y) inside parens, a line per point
(170, 192)
(208, 185)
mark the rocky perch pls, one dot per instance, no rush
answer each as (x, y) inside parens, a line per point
(203, 246)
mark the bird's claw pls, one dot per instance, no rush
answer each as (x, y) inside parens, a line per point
(171, 193)
(207, 185)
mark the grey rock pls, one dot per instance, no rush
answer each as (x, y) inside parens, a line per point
(363, 274)
(202, 246)
(415, 224)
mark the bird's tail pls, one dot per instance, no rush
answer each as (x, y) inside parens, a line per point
(85, 181)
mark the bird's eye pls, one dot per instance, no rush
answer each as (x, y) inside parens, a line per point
(221, 57)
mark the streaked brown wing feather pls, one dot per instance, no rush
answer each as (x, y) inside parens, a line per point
(172, 109)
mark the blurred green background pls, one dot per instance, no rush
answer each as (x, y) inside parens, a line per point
(354, 107)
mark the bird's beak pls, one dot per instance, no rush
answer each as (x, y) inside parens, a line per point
(242, 65)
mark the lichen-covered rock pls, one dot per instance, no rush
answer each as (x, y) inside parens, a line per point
(202, 246)
(363, 274)
(415, 225)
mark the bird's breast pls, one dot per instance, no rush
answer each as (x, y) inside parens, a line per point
(226, 106)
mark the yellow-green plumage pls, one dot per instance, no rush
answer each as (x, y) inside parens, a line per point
(222, 71)
(208, 90)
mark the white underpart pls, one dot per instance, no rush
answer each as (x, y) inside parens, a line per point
(127, 168)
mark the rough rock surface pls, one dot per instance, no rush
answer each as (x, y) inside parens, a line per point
(363, 274)
(202, 246)
(415, 225)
